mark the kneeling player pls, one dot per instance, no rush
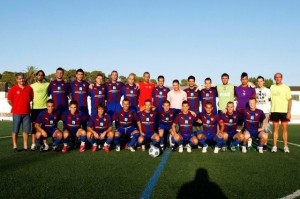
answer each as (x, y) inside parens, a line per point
(147, 127)
(212, 129)
(254, 125)
(46, 126)
(73, 121)
(185, 121)
(125, 120)
(166, 119)
(100, 128)
(230, 119)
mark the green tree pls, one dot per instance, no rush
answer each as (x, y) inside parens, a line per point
(30, 74)
(123, 79)
(184, 82)
(153, 81)
(9, 77)
(268, 82)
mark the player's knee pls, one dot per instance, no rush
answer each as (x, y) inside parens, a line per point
(110, 135)
(194, 140)
(141, 139)
(117, 134)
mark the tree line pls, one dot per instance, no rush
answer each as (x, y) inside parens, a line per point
(9, 77)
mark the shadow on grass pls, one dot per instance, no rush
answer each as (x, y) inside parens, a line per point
(200, 187)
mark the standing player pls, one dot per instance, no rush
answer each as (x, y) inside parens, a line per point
(281, 106)
(73, 121)
(40, 91)
(147, 126)
(113, 97)
(19, 97)
(46, 126)
(185, 135)
(159, 94)
(242, 94)
(100, 129)
(166, 119)
(126, 120)
(176, 97)
(213, 129)
(80, 90)
(146, 90)
(225, 92)
(97, 94)
(59, 90)
(193, 95)
(130, 92)
(254, 126)
(209, 94)
(230, 119)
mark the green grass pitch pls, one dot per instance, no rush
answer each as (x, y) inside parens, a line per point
(125, 174)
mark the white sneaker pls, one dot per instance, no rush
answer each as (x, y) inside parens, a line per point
(131, 149)
(204, 149)
(260, 149)
(199, 147)
(46, 147)
(180, 149)
(249, 142)
(143, 147)
(244, 149)
(189, 148)
(216, 149)
(118, 148)
(33, 147)
(274, 149)
(99, 146)
(286, 149)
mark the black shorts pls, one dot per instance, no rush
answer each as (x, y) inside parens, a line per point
(33, 115)
(276, 117)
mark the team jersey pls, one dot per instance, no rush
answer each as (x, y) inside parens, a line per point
(72, 122)
(226, 94)
(263, 99)
(48, 121)
(146, 90)
(113, 92)
(40, 90)
(243, 94)
(79, 92)
(148, 121)
(125, 119)
(131, 93)
(193, 97)
(59, 91)
(210, 122)
(159, 95)
(253, 119)
(100, 124)
(166, 118)
(209, 95)
(185, 123)
(230, 121)
(280, 96)
(98, 97)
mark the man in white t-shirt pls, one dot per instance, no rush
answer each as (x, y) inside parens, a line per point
(176, 97)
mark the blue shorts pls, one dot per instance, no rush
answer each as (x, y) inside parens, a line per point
(253, 133)
(23, 119)
(209, 136)
(231, 135)
(164, 127)
(50, 132)
(127, 130)
(186, 137)
(149, 135)
(113, 108)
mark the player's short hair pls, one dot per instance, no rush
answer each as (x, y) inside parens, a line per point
(73, 102)
(244, 74)
(208, 103)
(160, 77)
(61, 69)
(166, 102)
(79, 71)
(50, 101)
(147, 100)
(191, 77)
(146, 73)
(114, 71)
(40, 71)
(100, 106)
(185, 102)
(278, 74)
(100, 74)
(20, 74)
(207, 79)
(126, 100)
(175, 81)
(230, 102)
(252, 98)
(225, 75)
(261, 77)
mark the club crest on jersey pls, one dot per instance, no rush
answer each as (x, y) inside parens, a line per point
(256, 114)
(18, 92)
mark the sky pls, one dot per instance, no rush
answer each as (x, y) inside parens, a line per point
(175, 38)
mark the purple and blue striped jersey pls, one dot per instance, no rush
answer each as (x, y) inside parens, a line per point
(166, 118)
(98, 96)
(100, 124)
(59, 91)
(73, 122)
(253, 119)
(113, 92)
(148, 121)
(48, 121)
(209, 95)
(131, 93)
(159, 95)
(79, 92)
(210, 122)
(185, 123)
(125, 119)
(193, 97)
(230, 122)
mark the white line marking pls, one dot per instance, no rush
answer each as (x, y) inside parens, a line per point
(290, 143)
(293, 195)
